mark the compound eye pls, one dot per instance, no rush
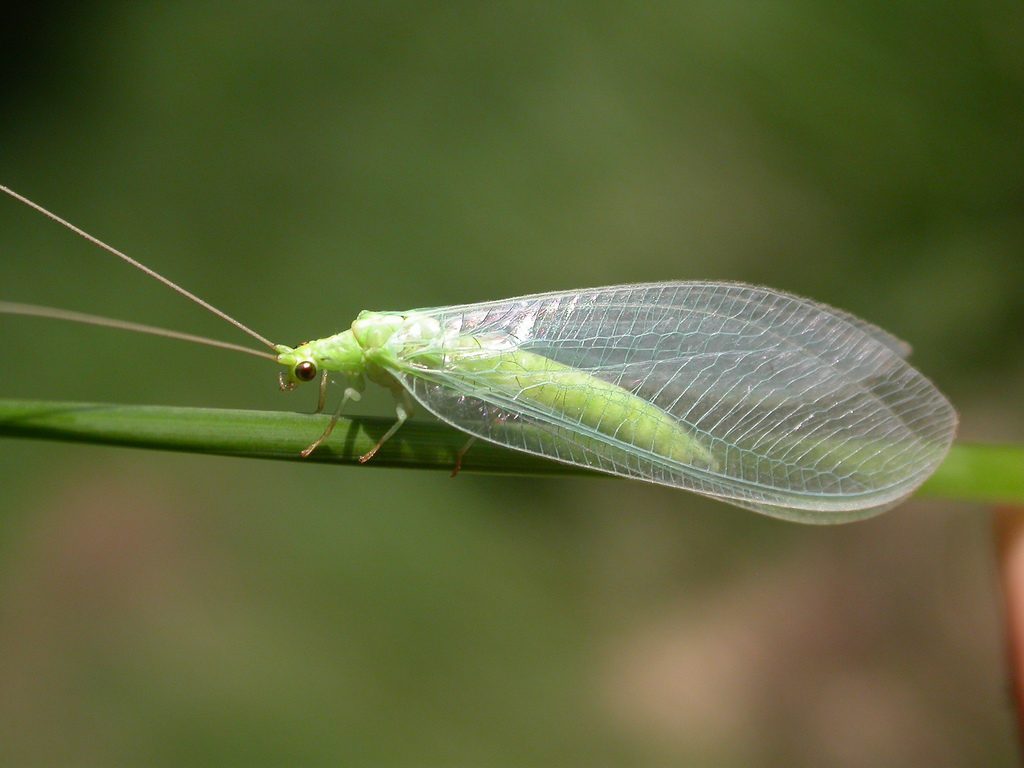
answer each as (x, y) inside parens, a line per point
(305, 371)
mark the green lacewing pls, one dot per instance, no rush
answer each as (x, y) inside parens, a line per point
(746, 394)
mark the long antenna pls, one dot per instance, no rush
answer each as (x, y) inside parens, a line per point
(32, 310)
(152, 273)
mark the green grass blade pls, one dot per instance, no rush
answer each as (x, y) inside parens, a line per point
(262, 434)
(980, 472)
(988, 473)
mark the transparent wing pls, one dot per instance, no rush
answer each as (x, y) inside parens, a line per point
(810, 413)
(897, 345)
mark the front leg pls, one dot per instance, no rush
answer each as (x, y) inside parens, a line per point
(351, 393)
(322, 398)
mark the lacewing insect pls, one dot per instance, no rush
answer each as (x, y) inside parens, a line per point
(749, 395)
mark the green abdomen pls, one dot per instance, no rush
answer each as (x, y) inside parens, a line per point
(590, 402)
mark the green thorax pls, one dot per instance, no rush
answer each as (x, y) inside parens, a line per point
(374, 342)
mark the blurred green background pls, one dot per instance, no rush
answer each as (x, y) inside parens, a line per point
(295, 163)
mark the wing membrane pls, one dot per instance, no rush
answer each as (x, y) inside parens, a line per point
(809, 412)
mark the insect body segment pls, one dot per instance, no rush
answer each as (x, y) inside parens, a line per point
(586, 400)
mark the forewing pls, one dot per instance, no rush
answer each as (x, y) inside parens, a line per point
(808, 411)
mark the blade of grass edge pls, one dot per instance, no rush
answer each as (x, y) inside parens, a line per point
(972, 472)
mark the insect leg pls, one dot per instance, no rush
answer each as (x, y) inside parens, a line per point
(322, 399)
(351, 393)
(499, 418)
(403, 407)
(460, 454)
